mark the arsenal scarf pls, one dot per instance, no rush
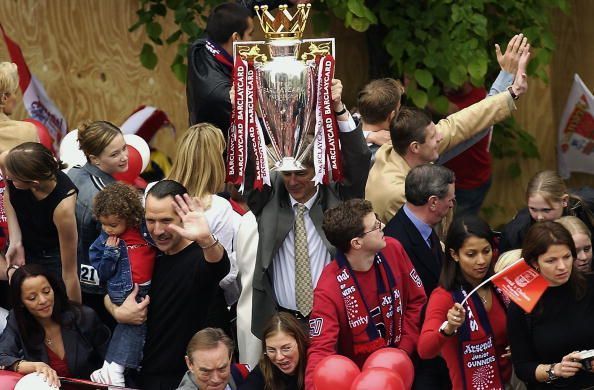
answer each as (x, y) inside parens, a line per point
(476, 345)
(370, 333)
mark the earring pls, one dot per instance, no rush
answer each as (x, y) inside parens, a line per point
(537, 269)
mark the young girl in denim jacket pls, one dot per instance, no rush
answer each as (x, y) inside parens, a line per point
(122, 257)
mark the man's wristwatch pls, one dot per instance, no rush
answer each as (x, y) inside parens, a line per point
(551, 374)
(344, 109)
(443, 327)
(512, 93)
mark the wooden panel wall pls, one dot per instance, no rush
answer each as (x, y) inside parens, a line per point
(88, 62)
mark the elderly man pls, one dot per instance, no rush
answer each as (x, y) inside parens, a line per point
(417, 140)
(184, 295)
(369, 297)
(430, 194)
(208, 358)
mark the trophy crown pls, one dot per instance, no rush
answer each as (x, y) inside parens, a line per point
(284, 25)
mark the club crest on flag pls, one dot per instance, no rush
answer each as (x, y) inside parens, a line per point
(522, 284)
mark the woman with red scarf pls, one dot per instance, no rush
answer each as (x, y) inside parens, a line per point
(472, 338)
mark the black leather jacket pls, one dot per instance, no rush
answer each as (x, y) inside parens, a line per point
(84, 336)
(208, 86)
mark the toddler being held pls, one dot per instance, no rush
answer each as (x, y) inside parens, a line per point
(122, 258)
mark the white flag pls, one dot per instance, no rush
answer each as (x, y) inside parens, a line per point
(39, 106)
(576, 132)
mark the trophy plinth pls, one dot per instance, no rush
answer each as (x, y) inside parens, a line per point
(288, 164)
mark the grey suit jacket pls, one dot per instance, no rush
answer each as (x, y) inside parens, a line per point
(272, 209)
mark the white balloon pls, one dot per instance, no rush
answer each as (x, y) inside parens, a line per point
(70, 152)
(33, 381)
(143, 148)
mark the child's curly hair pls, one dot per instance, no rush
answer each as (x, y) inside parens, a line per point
(119, 199)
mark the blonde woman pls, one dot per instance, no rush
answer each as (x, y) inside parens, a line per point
(12, 133)
(547, 199)
(582, 238)
(506, 259)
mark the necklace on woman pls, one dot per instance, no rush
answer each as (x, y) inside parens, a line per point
(48, 341)
(483, 298)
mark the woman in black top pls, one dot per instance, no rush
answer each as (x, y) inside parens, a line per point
(40, 209)
(544, 343)
(282, 367)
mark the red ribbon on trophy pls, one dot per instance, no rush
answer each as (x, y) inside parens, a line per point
(326, 124)
(245, 128)
(253, 132)
(236, 147)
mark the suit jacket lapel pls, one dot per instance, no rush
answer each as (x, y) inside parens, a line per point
(317, 216)
(69, 337)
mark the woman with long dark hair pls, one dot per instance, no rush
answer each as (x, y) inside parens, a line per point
(40, 208)
(48, 334)
(471, 337)
(544, 342)
(282, 367)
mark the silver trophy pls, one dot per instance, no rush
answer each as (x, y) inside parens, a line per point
(285, 78)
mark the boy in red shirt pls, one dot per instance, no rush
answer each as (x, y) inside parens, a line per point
(370, 297)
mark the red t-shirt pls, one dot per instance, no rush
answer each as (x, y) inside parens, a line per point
(141, 255)
(473, 166)
(432, 342)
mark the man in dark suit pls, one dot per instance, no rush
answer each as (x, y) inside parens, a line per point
(430, 194)
(293, 203)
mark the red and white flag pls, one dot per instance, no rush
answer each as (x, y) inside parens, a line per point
(145, 121)
(522, 284)
(576, 131)
(39, 106)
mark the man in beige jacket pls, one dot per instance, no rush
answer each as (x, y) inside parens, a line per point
(417, 140)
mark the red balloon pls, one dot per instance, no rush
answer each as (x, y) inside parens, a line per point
(44, 136)
(335, 372)
(134, 167)
(8, 379)
(378, 378)
(395, 360)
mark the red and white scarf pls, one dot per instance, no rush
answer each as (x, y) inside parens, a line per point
(369, 332)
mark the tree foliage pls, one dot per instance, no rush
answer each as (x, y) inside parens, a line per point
(188, 16)
(436, 44)
(441, 44)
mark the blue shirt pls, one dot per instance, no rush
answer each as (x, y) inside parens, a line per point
(421, 226)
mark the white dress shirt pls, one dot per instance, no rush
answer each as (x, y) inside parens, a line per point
(284, 260)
